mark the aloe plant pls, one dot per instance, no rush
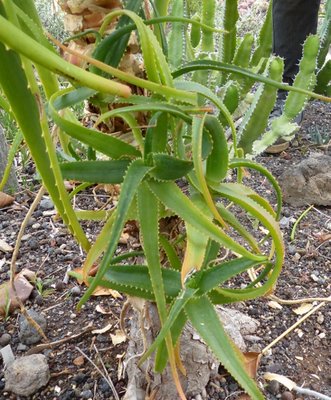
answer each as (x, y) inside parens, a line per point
(185, 140)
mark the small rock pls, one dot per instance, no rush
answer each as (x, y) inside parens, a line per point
(314, 278)
(273, 387)
(291, 249)
(33, 244)
(79, 378)
(59, 285)
(21, 347)
(36, 225)
(287, 396)
(86, 394)
(28, 334)
(274, 368)
(68, 395)
(308, 182)
(39, 300)
(46, 204)
(5, 339)
(320, 319)
(75, 291)
(26, 375)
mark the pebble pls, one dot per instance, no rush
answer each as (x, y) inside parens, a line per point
(59, 285)
(79, 378)
(21, 347)
(39, 300)
(86, 394)
(33, 244)
(68, 395)
(27, 333)
(36, 225)
(75, 291)
(46, 204)
(320, 319)
(5, 339)
(273, 387)
(26, 375)
(314, 278)
(287, 396)
(274, 368)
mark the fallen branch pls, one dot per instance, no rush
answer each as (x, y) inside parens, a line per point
(40, 347)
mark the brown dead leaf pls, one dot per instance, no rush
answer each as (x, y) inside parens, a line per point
(243, 397)
(79, 361)
(5, 200)
(252, 361)
(323, 237)
(23, 288)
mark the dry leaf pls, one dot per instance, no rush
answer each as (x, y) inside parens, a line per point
(5, 247)
(79, 361)
(23, 288)
(303, 309)
(274, 304)
(5, 200)
(102, 291)
(323, 237)
(101, 310)
(281, 379)
(118, 338)
(102, 330)
(252, 361)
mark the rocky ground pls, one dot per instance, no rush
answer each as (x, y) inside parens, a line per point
(303, 355)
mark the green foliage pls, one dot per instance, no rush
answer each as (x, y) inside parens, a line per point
(185, 140)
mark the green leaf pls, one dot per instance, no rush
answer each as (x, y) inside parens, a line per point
(172, 197)
(205, 320)
(169, 168)
(135, 174)
(96, 171)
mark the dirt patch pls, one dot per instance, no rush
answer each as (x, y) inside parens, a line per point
(304, 355)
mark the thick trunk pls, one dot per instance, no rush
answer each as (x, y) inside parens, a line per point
(200, 364)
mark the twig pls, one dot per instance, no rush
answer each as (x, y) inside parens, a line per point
(299, 301)
(298, 220)
(310, 392)
(106, 372)
(98, 369)
(312, 311)
(14, 258)
(40, 347)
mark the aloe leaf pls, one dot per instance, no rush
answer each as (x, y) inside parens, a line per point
(231, 219)
(169, 168)
(220, 273)
(23, 44)
(11, 155)
(95, 171)
(205, 320)
(27, 108)
(134, 175)
(237, 163)
(172, 197)
(218, 66)
(149, 221)
(171, 253)
(175, 311)
(111, 49)
(156, 138)
(156, 66)
(102, 142)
